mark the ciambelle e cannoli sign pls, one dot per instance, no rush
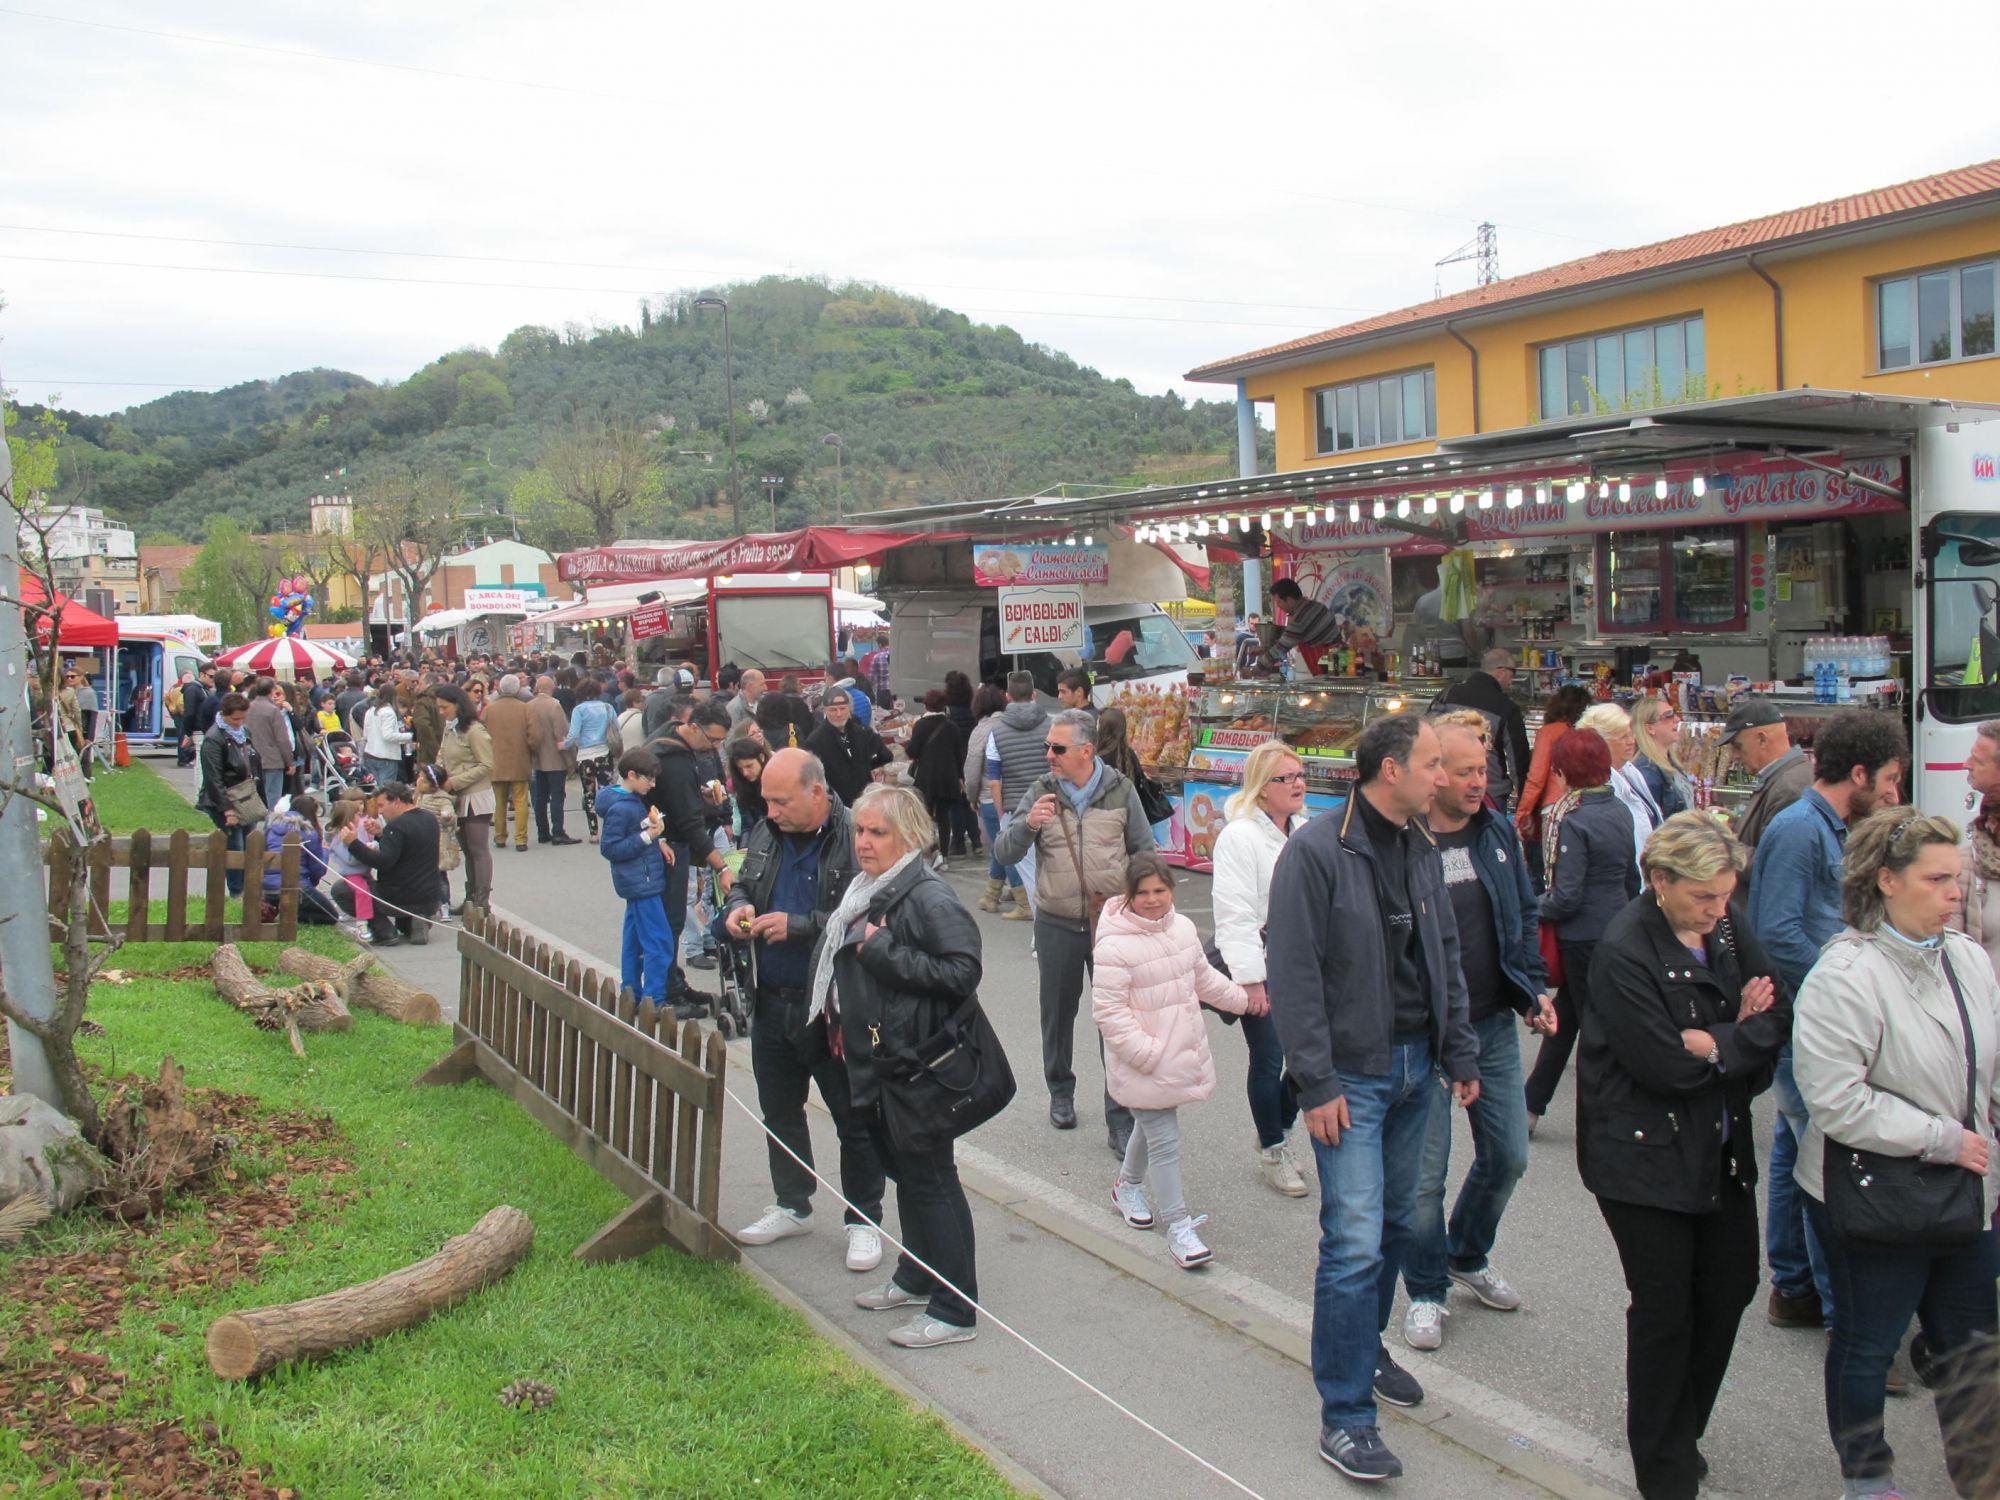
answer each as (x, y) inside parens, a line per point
(1011, 564)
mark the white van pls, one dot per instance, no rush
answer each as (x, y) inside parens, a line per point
(939, 622)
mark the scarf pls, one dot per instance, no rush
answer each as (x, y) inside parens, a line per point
(852, 905)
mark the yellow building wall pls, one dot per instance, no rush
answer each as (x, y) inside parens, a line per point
(1829, 332)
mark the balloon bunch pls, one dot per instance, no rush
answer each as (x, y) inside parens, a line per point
(290, 605)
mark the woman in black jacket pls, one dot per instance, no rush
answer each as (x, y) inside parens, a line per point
(1592, 876)
(937, 751)
(899, 956)
(1683, 1028)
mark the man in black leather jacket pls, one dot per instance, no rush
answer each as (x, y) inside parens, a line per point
(796, 867)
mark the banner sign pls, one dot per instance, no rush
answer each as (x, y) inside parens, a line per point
(498, 601)
(1007, 564)
(1040, 620)
(811, 549)
(1771, 491)
(520, 637)
(647, 620)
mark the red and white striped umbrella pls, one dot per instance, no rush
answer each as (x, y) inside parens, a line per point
(285, 657)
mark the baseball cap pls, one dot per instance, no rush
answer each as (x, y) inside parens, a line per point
(1751, 713)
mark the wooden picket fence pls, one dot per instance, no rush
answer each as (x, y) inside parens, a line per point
(640, 1099)
(181, 856)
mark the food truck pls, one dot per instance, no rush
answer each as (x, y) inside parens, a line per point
(1826, 548)
(154, 652)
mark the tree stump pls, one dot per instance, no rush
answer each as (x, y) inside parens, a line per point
(243, 1345)
(313, 1006)
(365, 987)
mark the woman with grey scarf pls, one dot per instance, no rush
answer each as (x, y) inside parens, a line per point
(899, 956)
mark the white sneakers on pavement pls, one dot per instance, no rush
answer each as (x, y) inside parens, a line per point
(1423, 1325)
(864, 1247)
(1489, 1286)
(888, 1295)
(1281, 1173)
(1129, 1198)
(926, 1332)
(1185, 1244)
(777, 1223)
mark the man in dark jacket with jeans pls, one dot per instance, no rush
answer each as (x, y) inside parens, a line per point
(1507, 750)
(797, 865)
(1493, 905)
(1366, 989)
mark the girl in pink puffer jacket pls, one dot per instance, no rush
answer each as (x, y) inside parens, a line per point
(1146, 997)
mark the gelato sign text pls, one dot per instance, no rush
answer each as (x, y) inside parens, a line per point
(1774, 492)
(1007, 564)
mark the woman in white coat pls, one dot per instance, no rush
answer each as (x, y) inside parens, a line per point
(1894, 1048)
(1261, 816)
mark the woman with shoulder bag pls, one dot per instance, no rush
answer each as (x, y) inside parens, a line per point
(1682, 1029)
(899, 960)
(1266, 812)
(1114, 748)
(1894, 1054)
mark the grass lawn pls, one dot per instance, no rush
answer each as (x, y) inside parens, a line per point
(139, 797)
(673, 1377)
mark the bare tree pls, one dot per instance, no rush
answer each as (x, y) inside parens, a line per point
(603, 467)
(415, 515)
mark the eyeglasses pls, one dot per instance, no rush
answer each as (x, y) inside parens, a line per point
(1054, 749)
(1289, 777)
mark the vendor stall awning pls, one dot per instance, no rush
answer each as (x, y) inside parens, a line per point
(617, 601)
(79, 627)
(813, 549)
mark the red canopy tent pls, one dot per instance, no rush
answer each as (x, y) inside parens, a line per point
(79, 626)
(812, 549)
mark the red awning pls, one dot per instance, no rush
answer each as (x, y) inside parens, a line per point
(79, 626)
(813, 549)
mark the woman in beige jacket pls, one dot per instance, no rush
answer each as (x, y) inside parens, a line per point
(1884, 1023)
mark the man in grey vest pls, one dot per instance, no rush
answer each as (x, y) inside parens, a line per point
(1015, 756)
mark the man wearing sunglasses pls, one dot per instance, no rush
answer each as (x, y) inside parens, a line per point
(1084, 821)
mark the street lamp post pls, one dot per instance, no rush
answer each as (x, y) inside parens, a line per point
(832, 440)
(729, 381)
(772, 484)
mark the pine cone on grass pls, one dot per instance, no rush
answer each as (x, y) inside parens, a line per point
(532, 1393)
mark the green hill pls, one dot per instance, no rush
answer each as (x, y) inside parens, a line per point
(929, 406)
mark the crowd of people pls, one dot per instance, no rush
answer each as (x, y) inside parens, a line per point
(1380, 962)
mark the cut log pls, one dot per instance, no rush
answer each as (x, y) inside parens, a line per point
(312, 1006)
(365, 987)
(244, 1345)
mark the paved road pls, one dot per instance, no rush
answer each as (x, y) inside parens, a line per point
(1551, 1375)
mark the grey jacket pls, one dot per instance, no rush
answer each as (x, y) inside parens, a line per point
(1022, 730)
(1327, 970)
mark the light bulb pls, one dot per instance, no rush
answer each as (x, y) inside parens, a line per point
(1141, 535)
(1201, 526)
(1458, 505)
(1354, 512)
(1513, 497)
(1430, 505)
(1088, 539)
(1403, 507)
(1699, 484)
(1184, 530)
(1575, 491)
(1243, 525)
(1486, 499)
(1267, 519)
(1381, 510)
(1604, 489)
(1624, 490)
(1290, 518)
(1660, 488)
(1312, 516)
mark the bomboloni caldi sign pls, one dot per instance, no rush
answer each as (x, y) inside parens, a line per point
(1043, 619)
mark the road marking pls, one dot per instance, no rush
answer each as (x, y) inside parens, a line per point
(1521, 1424)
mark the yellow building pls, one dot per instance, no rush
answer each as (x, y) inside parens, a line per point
(1885, 292)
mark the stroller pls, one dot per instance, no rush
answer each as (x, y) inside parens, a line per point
(736, 963)
(337, 765)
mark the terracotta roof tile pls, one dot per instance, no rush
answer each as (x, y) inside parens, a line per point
(1607, 265)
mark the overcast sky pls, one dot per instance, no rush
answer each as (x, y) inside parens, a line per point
(1145, 187)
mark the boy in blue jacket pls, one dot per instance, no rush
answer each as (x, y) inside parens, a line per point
(631, 840)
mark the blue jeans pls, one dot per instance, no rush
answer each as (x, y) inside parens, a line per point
(1368, 1207)
(1880, 1289)
(1499, 1157)
(648, 953)
(1266, 1082)
(273, 787)
(1791, 1245)
(385, 771)
(989, 819)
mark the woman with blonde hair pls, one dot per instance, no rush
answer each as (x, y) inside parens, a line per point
(1615, 725)
(1264, 813)
(1656, 725)
(1682, 1030)
(1895, 1055)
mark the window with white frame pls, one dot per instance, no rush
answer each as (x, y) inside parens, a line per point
(1935, 316)
(1653, 365)
(1381, 410)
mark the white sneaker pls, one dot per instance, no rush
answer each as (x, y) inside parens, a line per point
(1423, 1325)
(925, 1332)
(864, 1247)
(1129, 1198)
(778, 1223)
(1185, 1244)
(1281, 1172)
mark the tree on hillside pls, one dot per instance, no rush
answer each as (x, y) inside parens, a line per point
(415, 514)
(597, 469)
(356, 555)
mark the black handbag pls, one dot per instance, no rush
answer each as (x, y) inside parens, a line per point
(953, 1081)
(1904, 1202)
(1153, 801)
